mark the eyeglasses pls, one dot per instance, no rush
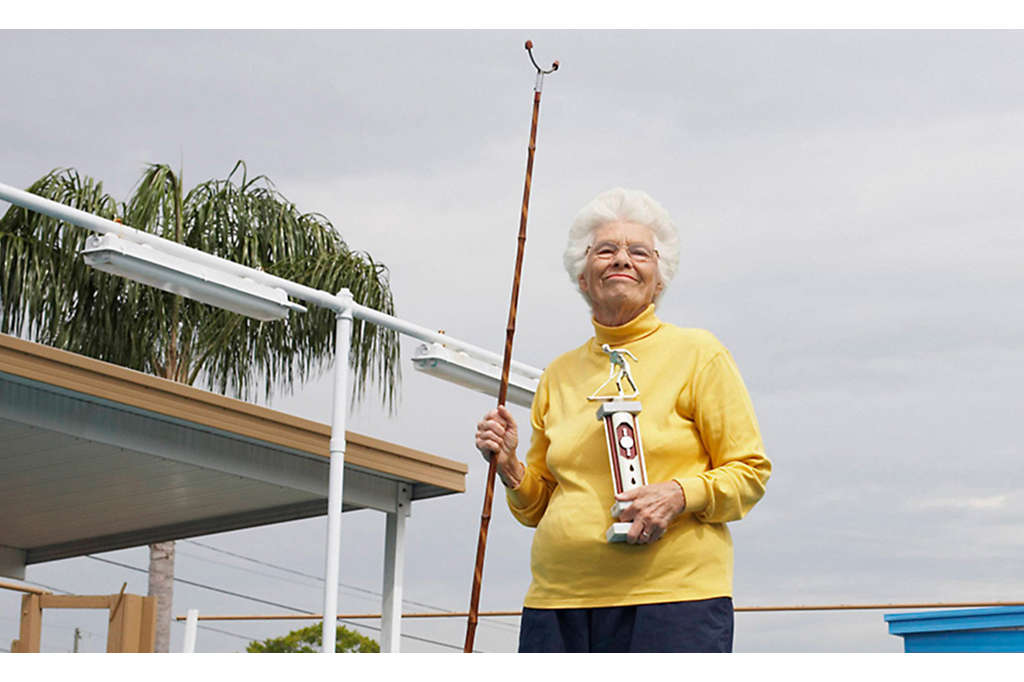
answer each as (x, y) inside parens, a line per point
(638, 253)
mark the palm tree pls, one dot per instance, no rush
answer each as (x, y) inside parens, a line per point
(47, 293)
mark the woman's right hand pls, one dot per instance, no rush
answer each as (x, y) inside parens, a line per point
(497, 436)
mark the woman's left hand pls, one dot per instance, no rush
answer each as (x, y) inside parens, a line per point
(653, 508)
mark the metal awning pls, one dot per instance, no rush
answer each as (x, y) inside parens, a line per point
(95, 457)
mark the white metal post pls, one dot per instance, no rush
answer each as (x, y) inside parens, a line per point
(394, 569)
(191, 629)
(339, 414)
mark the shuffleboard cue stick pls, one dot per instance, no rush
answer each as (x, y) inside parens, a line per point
(510, 330)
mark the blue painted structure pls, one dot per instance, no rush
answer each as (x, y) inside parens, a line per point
(961, 630)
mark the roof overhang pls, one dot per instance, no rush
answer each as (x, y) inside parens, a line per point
(95, 457)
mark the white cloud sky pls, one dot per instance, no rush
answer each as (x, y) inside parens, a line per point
(851, 222)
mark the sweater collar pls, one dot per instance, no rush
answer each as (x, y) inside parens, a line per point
(644, 324)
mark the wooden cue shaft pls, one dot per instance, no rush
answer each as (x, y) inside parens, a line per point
(485, 516)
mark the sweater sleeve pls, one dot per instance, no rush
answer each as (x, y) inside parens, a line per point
(529, 499)
(724, 415)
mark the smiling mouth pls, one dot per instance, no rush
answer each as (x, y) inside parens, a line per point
(622, 276)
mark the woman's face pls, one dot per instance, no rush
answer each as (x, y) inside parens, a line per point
(621, 272)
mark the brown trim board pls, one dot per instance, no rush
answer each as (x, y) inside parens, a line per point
(140, 391)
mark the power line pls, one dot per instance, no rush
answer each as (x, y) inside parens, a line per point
(206, 587)
(245, 596)
(307, 575)
(349, 622)
(250, 639)
(321, 580)
(264, 601)
(267, 563)
(225, 632)
(359, 592)
(46, 587)
(368, 627)
(235, 566)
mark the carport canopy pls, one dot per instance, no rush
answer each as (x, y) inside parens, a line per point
(95, 457)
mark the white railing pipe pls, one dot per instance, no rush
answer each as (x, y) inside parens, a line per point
(322, 298)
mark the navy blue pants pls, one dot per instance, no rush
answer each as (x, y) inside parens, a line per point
(683, 626)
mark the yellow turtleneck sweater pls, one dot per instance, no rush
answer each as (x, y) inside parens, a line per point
(698, 428)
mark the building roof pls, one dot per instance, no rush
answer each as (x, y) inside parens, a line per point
(95, 457)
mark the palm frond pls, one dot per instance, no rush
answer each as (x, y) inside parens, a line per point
(48, 293)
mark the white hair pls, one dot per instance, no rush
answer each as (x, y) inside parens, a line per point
(622, 205)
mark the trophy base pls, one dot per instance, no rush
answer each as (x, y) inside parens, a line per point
(618, 508)
(617, 532)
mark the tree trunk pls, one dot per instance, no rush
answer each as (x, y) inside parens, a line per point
(161, 586)
(161, 554)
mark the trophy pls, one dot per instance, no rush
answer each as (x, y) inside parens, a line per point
(625, 450)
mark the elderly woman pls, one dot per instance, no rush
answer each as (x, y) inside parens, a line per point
(669, 586)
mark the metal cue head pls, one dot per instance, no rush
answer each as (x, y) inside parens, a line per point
(529, 49)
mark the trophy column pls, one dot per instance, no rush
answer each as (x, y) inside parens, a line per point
(625, 453)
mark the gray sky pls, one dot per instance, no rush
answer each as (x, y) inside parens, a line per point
(850, 214)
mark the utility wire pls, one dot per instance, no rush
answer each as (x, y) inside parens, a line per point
(242, 596)
(207, 587)
(349, 622)
(308, 575)
(251, 571)
(264, 601)
(250, 639)
(267, 563)
(46, 587)
(355, 592)
(321, 580)
(225, 632)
